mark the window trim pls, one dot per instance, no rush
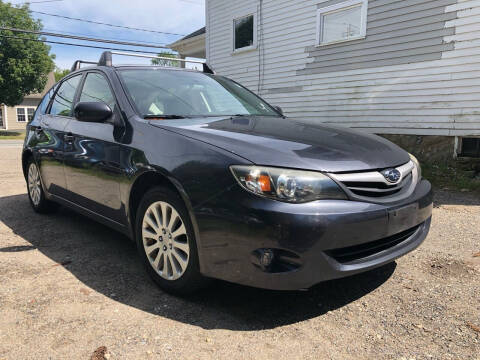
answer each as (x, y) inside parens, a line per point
(337, 8)
(25, 108)
(255, 30)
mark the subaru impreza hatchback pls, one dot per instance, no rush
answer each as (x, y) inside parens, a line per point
(213, 182)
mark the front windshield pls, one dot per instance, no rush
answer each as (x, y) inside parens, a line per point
(160, 92)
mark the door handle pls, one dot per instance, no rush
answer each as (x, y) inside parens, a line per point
(68, 138)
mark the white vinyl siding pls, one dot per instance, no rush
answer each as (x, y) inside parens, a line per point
(416, 72)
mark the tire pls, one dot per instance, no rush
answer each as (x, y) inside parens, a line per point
(164, 231)
(35, 191)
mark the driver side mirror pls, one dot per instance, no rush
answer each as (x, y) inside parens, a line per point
(92, 112)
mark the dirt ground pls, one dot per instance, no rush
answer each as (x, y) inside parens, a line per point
(69, 287)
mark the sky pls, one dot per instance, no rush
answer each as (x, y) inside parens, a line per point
(173, 16)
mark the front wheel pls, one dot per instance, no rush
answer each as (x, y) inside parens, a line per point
(36, 194)
(166, 242)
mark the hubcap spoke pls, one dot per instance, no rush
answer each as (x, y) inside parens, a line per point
(156, 263)
(147, 234)
(180, 231)
(182, 246)
(165, 267)
(150, 222)
(183, 263)
(163, 206)
(173, 219)
(156, 216)
(150, 248)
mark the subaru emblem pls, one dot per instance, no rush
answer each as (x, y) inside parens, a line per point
(392, 175)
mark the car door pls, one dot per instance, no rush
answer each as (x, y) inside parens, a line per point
(92, 155)
(48, 127)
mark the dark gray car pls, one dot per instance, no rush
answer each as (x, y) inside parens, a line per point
(213, 182)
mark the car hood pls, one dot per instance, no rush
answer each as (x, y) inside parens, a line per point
(286, 142)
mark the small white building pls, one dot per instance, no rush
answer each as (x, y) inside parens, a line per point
(409, 67)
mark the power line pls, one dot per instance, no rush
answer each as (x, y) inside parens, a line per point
(112, 38)
(39, 2)
(106, 24)
(81, 38)
(187, 1)
(79, 45)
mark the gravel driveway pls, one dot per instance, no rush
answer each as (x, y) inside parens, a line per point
(69, 286)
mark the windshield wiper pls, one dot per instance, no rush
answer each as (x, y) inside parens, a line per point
(163, 117)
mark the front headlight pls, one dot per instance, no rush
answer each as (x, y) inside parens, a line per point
(417, 165)
(295, 186)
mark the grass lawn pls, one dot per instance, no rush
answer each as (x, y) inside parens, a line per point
(451, 177)
(12, 135)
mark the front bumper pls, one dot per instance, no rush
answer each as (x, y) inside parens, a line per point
(323, 240)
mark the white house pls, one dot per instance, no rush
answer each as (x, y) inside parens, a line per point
(409, 67)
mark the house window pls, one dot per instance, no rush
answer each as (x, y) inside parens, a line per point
(470, 147)
(342, 22)
(24, 114)
(244, 34)
(21, 115)
(30, 113)
(1, 117)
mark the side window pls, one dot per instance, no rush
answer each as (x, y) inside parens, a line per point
(63, 102)
(96, 89)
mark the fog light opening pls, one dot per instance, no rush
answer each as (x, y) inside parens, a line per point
(266, 258)
(275, 260)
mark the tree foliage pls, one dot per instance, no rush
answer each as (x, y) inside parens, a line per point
(60, 73)
(24, 64)
(163, 62)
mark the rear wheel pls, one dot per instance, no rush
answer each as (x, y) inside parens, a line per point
(36, 194)
(166, 242)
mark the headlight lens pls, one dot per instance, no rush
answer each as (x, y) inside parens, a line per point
(295, 186)
(417, 165)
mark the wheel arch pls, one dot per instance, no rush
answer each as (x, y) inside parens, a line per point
(26, 155)
(149, 180)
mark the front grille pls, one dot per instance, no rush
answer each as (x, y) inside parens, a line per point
(377, 189)
(374, 186)
(357, 252)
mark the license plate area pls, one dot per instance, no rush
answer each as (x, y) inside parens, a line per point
(403, 218)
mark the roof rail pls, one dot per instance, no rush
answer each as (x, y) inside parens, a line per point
(106, 59)
(76, 64)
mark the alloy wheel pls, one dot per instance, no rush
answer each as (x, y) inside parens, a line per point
(165, 240)
(34, 184)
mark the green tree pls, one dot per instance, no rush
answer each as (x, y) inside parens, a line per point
(164, 62)
(60, 73)
(24, 64)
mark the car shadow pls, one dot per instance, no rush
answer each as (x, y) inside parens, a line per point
(106, 262)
